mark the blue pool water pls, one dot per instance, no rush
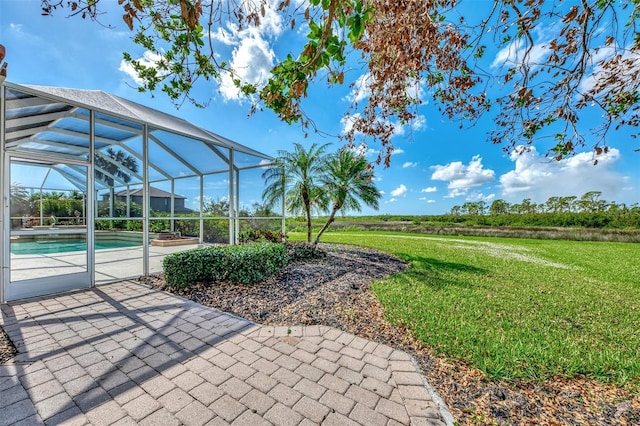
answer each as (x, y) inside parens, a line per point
(59, 246)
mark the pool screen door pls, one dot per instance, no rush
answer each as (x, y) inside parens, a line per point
(47, 227)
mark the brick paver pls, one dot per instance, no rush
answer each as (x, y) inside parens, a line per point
(126, 354)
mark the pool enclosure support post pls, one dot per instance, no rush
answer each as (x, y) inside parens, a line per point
(284, 213)
(91, 203)
(284, 206)
(232, 239)
(201, 235)
(237, 230)
(128, 201)
(173, 205)
(112, 194)
(41, 203)
(44, 181)
(5, 243)
(145, 200)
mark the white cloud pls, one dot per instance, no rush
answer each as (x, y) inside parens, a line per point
(392, 200)
(513, 53)
(303, 29)
(419, 123)
(429, 189)
(479, 196)
(265, 163)
(414, 89)
(409, 164)
(630, 59)
(148, 59)
(225, 36)
(428, 200)
(508, 53)
(360, 89)
(431, 201)
(399, 191)
(539, 178)
(397, 151)
(251, 62)
(347, 122)
(364, 151)
(453, 193)
(462, 177)
(381, 192)
(252, 57)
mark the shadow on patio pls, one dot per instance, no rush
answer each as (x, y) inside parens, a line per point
(123, 353)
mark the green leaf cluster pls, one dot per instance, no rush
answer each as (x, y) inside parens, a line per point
(324, 50)
(244, 264)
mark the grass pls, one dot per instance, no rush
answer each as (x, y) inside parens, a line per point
(474, 229)
(515, 308)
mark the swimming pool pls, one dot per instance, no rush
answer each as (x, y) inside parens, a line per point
(59, 246)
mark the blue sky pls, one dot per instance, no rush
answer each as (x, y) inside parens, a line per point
(436, 164)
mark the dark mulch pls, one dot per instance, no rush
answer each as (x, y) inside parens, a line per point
(7, 349)
(335, 291)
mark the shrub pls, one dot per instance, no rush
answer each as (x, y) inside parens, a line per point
(255, 262)
(216, 231)
(257, 235)
(245, 264)
(299, 250)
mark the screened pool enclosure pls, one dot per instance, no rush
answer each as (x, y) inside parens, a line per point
(97, 188)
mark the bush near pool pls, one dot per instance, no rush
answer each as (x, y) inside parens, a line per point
(245, 264)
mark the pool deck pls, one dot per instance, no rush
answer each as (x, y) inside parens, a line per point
(123, 353)
(111, 264)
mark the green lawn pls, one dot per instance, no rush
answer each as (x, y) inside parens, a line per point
(517, 308)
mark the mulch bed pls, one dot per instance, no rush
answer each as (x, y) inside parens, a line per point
(7, 349)
(335, 291)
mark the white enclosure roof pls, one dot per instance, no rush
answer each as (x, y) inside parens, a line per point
(55, 121)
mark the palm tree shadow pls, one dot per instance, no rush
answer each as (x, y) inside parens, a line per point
(439, 274)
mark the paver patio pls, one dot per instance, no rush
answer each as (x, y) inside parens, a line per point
(126, 354)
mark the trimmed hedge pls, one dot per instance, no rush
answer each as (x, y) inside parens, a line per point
(245, 264)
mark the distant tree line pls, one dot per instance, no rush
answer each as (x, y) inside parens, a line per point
(590, 202)
(589, 210)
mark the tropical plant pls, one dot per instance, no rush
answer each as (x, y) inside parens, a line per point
(297, 176)
(115, 164)
(348, 181)
(20, 203)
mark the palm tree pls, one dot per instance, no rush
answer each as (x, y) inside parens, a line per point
(121, 167)
(296, 176)
(105, 168)
(348, 181)
(20, 202)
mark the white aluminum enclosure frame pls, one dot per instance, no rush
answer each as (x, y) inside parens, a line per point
(30, 129)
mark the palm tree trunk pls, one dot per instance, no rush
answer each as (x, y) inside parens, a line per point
(332, 217)
(308, 224)
(307, 207)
